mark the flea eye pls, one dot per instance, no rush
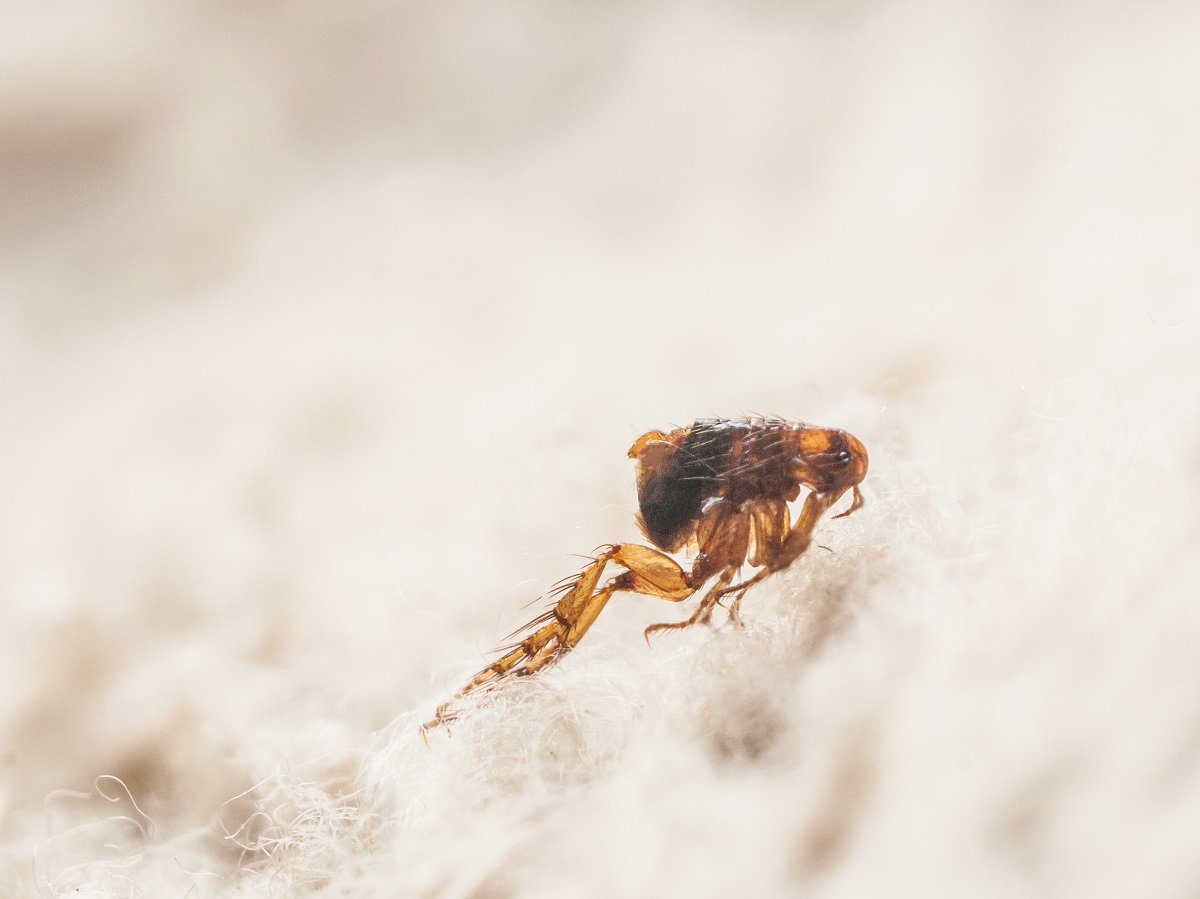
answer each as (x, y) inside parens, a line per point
(843, 458)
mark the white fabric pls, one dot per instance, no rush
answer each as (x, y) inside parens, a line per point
(325, 328)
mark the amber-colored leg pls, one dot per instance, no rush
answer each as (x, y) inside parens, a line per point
(782, 548)
(559, 629)
(703, 613)
(739, 591)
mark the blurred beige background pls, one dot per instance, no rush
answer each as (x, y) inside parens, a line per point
(325, 327)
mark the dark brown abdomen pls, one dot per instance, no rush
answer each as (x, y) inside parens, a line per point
(670, 499)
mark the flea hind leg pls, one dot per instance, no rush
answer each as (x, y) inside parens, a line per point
(703, 613)
(557, 631)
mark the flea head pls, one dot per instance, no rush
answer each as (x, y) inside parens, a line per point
(830, 460)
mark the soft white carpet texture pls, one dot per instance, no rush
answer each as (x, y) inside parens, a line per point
(325, 328)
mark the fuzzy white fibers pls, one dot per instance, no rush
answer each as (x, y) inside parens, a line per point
(324, 329)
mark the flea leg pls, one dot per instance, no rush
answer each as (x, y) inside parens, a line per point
(558, 630)
(800, 537)
(703, 613)
(735, 607)
(783, 547)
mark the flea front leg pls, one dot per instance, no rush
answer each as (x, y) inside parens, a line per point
(559, 629)
(779, 548)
